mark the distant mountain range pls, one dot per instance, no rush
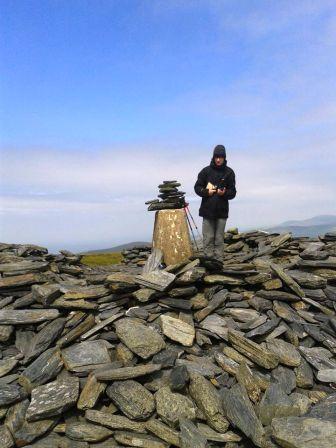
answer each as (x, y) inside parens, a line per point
(312, 227)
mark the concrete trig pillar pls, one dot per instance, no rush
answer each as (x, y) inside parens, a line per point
(171, 235)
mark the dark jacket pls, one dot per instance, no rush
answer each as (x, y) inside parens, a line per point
(215, 207)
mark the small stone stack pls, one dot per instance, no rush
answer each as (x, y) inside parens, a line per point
(191, 356)
(136, 255)
(170, 197)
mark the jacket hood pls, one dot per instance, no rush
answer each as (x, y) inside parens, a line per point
(219, 151)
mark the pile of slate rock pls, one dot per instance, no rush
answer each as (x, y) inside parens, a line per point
(170, 197)
(190, 356)
(136, 255)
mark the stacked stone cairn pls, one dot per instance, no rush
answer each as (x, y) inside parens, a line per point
(187, 356)
(170, 197)
(136, 255)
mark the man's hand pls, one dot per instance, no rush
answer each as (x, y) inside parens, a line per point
(211, 191)
(221, 192)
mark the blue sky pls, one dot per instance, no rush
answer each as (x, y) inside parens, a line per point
(101, 100)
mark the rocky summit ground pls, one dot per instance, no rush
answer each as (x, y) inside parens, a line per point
(194, 355)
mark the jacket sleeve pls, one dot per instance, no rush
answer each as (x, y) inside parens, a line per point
(200, 185)
(231, 191)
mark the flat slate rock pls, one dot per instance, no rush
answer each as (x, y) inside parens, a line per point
(27, 432)
(11, 393)
(79, 304)
(101, 325)
(278, 295)
(81, 328)
(124, 373)
(287, 279)
(200, 365)
(183, 292)
(247, 378)
(53, 399)
(287, 313)
(86, 354)
(56, 441)
(325, 409)
(87, 432)
(19, 317)
(90, 393)
(253, 351)
(304, 432)
(304, 375)
(263, 329)
(114, 421)
(133, 399)
(16, 415)
(193, 275)
(5, 332)
(135, 439)
(320, 358)
(216, 301)
(214, 436)
(285, 377)
(327, 375)
(276, 403)
(20, 281)
(6, 439)
(176, 303)
(177, 330)
(328, 263)
(220, 279)
(85, 292)
(43, 369)
(158, 280)
(46, 294)
(208, 400)
(144, 294)
(120, 277)
(286, 353)
(217, 325)
(191, 436)
(166, 357)
(163, 431)
(307, 279)
(7, 365)
(44, 338)
(24, 265)
(179, 378)
(172, 406)
(240, 412)
(139, 338)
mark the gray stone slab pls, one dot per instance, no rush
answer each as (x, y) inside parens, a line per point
(133, 399)
(299, 432)
(53, 399)
(85, 354)
(139, 338)
(19, 317)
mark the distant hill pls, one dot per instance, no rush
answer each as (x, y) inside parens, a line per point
(312, 227)
(315, 221)
(118, 248)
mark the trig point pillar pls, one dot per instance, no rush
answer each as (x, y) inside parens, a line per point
(171, 235)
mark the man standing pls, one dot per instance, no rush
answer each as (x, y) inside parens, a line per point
(216, 186)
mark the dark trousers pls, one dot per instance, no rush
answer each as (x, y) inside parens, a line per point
(213, 237)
